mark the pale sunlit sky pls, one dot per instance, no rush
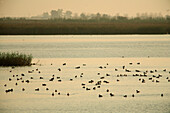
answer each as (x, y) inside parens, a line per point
(27, 8)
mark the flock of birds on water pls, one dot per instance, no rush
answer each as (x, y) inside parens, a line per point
(96, 84)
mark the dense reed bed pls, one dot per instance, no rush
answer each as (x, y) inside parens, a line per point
(15, 59)
(56, 27)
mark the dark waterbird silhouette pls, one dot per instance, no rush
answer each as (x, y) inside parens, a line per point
(100, 95)
(9, 90)
(51, 79)
(111, 94)
(37, 89)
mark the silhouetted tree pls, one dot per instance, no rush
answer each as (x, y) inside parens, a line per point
(68, 14)
(45, 15)
(56, 14)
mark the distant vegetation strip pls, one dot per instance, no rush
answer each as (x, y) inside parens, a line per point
(15, 59)
(78, 27)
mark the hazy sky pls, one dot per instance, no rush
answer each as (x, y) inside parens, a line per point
(130, 7)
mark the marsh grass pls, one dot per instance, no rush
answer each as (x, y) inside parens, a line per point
(80, 27)
(15, 59)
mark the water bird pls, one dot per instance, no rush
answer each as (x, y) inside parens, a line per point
(78, 67)
(107, 90)
(150, 78)
(91, 81)
(83, 84)
(111, 94)
(59, 80)
(105, 81)
(107, 74)
(98, 86)
(133, 95)
(51, 79)
(87, 89)
(123, 67)
(29, 71)
(138, 63)
(23, 89)
(162, 95)
(94, 88)
(137, 91)
(157, 81)
(47, 89)
(68, 94)
(27, 81)
(16, 84)
(10, 79)
(100, 67)
(59, 93)
(100, 95)
(98, 83)
(130, 63)
(118, 80)
(37, 89)
(52, 94)
(84, 64)
(39, 71)
(58, 77)
(31, 78)
(71, 79)
(64, 64)
(55, 90)
(151, 71)
(59, 69)
(98, 73)
(164, 70)
(101, 77)
(137, 70)
(44, 84)
(22, 74)
(127, 70)
(153, 76)
(5, 85)
(41, 77)
(13, 75)
(125, 96)
(116, 69)
(143, 81)
(9, 90)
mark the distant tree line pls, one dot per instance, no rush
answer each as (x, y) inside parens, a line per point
(60, 15)
(59, 22)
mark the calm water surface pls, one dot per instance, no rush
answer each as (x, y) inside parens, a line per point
(88, 52)
(88, 46)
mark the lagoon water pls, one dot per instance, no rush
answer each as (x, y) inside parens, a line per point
(111, 52)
